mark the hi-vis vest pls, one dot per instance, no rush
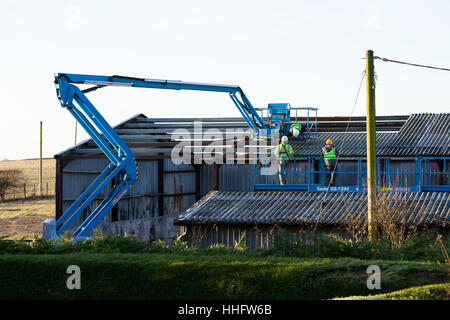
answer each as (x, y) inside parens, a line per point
(284, 151)
(329, 154)
(297, 126)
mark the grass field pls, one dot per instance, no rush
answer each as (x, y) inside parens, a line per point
(30, 169)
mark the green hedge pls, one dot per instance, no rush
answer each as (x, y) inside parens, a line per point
(419, 248)
(429, 292)
(188, 276)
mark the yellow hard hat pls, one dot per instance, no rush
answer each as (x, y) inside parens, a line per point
(329, 141)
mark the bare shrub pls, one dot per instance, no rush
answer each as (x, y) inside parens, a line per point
(197, 233)
(9, 179)
(395, 220)
(443, 250)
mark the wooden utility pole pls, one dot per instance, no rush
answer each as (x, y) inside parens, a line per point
(40, 163)
(371, 148)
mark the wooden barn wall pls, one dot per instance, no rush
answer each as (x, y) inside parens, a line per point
(208, 235)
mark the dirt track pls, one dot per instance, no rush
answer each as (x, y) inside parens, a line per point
(30, 224)
(24, 217)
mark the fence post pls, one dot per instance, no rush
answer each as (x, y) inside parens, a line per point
(24, 190)
(40, 163)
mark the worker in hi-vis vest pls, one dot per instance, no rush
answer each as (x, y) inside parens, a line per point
(330, 155)
(283, 152)
(297, 129)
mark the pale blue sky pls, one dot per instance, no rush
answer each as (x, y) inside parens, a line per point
(307, 53)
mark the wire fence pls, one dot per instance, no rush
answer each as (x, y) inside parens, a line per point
(30, 190)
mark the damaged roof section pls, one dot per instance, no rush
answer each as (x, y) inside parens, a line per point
(415, 135)
(298, 208)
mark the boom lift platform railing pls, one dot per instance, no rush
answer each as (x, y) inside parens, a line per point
(283, 116)
(393, 174)
(122, 170)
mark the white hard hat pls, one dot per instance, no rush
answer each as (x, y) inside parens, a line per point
(284, 139)
(295, 132)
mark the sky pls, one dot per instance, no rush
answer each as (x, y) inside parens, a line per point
(306, 53)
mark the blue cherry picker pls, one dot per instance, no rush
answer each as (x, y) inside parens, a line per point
(122, 167)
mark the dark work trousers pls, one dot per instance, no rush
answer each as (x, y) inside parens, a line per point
(281, 174)
(330, 165)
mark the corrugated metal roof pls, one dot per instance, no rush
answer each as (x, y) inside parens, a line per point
(296, 208)
(420, 134)
(347, 143)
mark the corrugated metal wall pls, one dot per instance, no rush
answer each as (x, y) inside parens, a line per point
(230, 177)
(400, 175)
(206, 179)
(78, 175)
(138, 212)
(236, 177)
(298, 173)
(436, 179)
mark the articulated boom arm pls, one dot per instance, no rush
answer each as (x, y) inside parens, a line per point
(237, 95)
(122, 167)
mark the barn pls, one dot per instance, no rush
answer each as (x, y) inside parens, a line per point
(209, 202)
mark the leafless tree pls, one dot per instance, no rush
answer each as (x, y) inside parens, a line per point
(9, 179)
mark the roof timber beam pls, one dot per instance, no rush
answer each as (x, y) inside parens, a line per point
(184, 125)
(142, 131)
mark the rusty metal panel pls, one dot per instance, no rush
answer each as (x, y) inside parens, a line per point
(179, 182)
(176, 205)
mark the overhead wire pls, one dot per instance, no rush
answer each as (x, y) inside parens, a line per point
(411, 64)
(359, 89)
(349, 120)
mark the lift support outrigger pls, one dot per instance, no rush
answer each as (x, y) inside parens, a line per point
(122, 167)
